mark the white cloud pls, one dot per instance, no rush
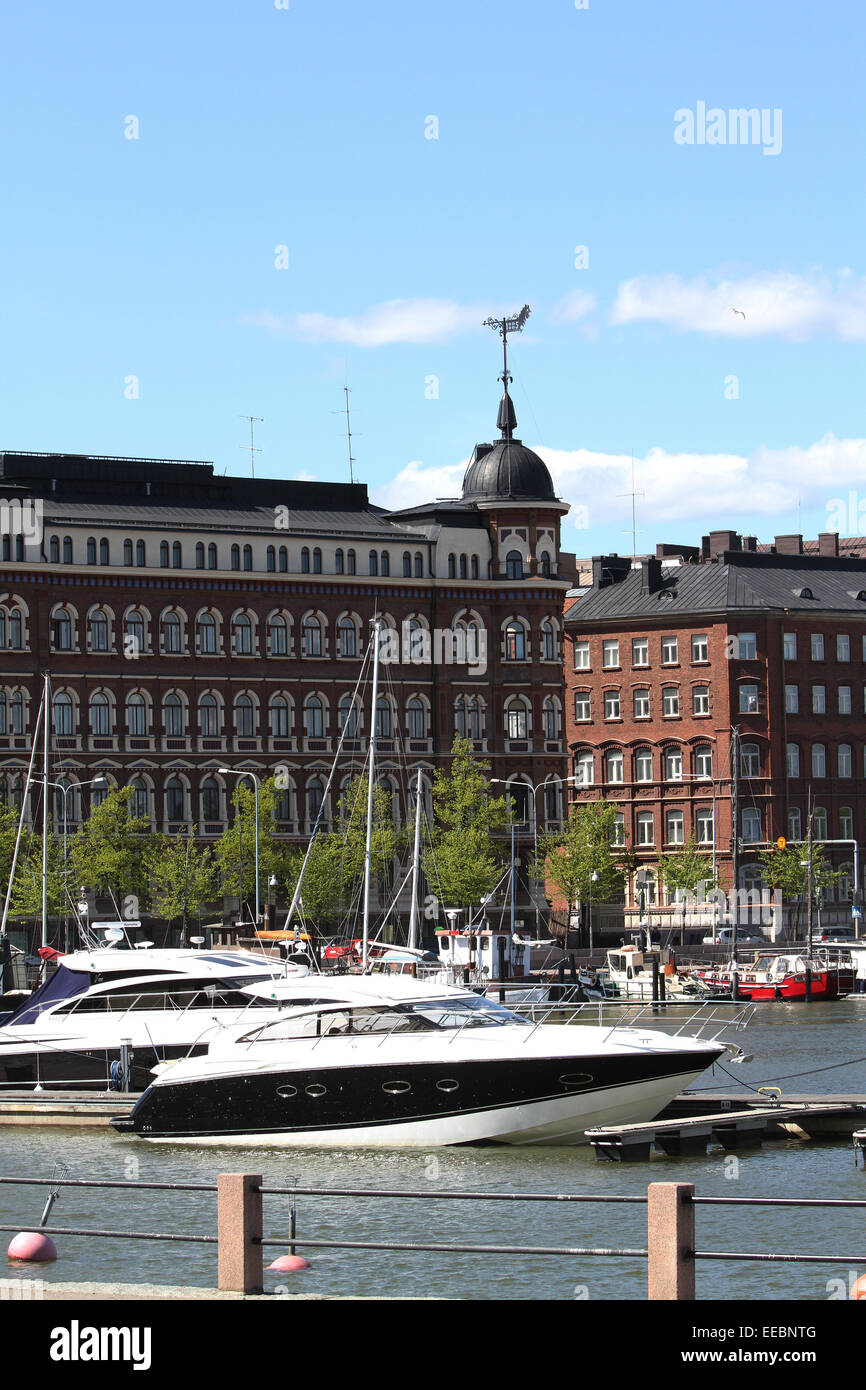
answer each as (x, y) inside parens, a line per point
(790, 306)
(395, 321)
(686, 492)
(573, 307)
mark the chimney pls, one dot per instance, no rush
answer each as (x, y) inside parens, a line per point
(789, 545)
(723, 540)
(650, 575)
(609, 569)
(750, 543)
(683, 552)
(828, 542)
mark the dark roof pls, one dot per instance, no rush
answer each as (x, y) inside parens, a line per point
(736, 582)
(507, 469)
(367, 523)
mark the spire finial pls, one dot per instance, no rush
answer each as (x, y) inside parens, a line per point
(507, 420)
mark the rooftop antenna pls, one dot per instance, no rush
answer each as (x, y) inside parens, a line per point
(352, 460)
(633, 495)
(254, 420)
(511, 324)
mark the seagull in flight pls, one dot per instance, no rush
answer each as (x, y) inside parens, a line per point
(738, 311)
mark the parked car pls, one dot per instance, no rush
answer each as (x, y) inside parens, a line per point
(725, 937)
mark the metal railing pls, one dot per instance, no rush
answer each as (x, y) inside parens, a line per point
(670, 1249)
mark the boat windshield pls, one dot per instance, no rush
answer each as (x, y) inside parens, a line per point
(435, 1015)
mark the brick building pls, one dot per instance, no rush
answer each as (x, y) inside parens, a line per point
(666, 657)
(192, 621)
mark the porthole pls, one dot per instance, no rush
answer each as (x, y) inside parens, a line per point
(316, 1090)
(396, 1088)
(447, 1085)
(575, 1078)
(286, 1092)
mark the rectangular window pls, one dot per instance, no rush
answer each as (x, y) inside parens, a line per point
(701, 699)
(645, 831)
(819, 699)
(843, 646)
(643, 765)
(610, 657)
(747, 646)
(669, 651)
(614, 766)
(703, 762)
(845, 760)
(844, 699)
(817, 646)
(641, 704)
(640, 651)
(792, 760)
(748, 699)
(670, 701)
(751, 825)
(790, 646)
(704, 826)
(700, 647)
(611, 704)
(674, 828)
(792, 699)
(819, 760)
(794, 823)
(581, 656)
(582, 706)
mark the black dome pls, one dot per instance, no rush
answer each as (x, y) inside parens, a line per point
(508, 469)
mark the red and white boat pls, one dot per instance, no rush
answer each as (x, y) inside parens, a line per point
(783, 976)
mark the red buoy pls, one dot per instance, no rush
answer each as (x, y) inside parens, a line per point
(287, 1264)
(32, 1245)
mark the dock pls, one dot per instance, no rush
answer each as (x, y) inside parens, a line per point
(64, 1107)
(730, 1122)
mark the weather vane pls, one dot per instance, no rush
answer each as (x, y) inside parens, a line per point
(512, 324)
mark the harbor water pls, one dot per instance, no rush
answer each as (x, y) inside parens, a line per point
(819, 1048)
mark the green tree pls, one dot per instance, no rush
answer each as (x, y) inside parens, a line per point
(27, 889)
(110, 852)
(569, 857)
(683, 869)
(465, 863)
(787, 869)
(238, 843)
(9, 816)
(183, 878)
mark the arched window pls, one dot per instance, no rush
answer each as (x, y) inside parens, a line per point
(211, 556)
(550, 715)
(312, 636)
(464, 567)
(350, 562)
(248, 557)
(284, 559)
(673, 764)
(548, 641)
(704, 761)
(176, 556)
(208, 717)
(584, 768)
(210, 799)
(515, 642)
(278, 636)
(416, 718)
(819, 823)
(315, 798)
(140, 554)
(127, 552)
(386, 562)
(452, 566)
(63, 714)
(163, 554)
(17, 707)
(243, 635)
(136, 716)
(16, 635)
(174, 799)
(279, 717)
(750, 760)
(62, 631)
(384, 726)
(845, 762)
(407, 565)
(347, 637)
(305, 559)
(244, 717)
(474, 566)
(98, 631)
(317, 560)
(91, 550)
(103, 552)
(207, 634)
(347, 716)
(819, 760)
(373, 562)
(67, 550)
(236, 557)
(514, 565)
(516, 719)
(614, 768)
(171, 633)
(199, 555)
(172, 716)
(138, 802)
(271, 559)
(314, 717)
(419, 565)
(99, 715)
(339, 561)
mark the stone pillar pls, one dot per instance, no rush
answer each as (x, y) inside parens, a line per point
(239, 1231)
(671, 1240)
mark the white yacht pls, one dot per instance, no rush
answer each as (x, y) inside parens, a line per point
(383, 1060)
(105, 1017)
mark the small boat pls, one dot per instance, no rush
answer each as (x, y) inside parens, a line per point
(784, 976)
(384, 1060)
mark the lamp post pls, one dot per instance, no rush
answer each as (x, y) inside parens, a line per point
(272, 895)
(563, 781)
(65, 789)
(245, 772)
(593, 878)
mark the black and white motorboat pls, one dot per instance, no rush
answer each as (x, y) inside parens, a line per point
(393, 1061)
(105, 1017)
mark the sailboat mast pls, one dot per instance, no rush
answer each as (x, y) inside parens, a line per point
(368, 849)
(416, 855)
(46, 734)
(28, 779)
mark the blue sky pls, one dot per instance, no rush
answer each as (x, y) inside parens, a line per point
(261, 127)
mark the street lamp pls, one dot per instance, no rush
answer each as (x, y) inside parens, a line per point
(245, 772)
(593, 878)
(65, 789)
(564, 781)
